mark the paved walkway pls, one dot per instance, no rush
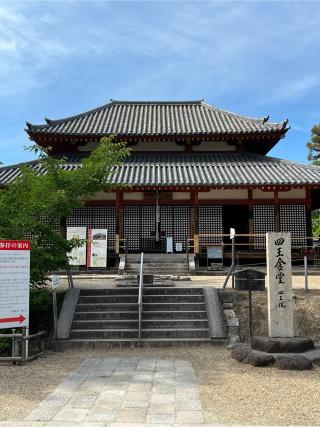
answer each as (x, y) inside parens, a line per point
(113, 391)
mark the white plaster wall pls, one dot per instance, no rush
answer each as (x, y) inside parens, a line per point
(136, 195)
(223, 194)
(259, 194)
(104, 196)
(157, 146)
(214, 146)
(180, 196)
(296, 193)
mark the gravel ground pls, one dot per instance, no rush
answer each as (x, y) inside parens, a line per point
(230, 392)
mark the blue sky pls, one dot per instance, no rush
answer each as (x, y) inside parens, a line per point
(59, 58)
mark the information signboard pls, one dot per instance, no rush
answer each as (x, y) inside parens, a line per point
(97, 247)
(78, 254)
(55, 281)
(14, 283)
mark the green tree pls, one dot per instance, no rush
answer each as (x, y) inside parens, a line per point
(35, 203)
(314, 145)
(314, 154)
(316, 223)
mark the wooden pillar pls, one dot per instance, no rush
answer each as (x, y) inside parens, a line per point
(194, 213)
(194, 219)
(119, 219)
(250, 210)
(308, 214)
(276, 211)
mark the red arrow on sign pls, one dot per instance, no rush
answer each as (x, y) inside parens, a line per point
(13, 319)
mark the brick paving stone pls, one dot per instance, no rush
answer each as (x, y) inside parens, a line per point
(135, 404)
(43, 413)
(161, 409)
(70, 414)
(132, 414)
(139, 387)
(82, 402)
(189, 417)
(56, 399)
(101, 415)
(134, 395)
(163, 398)
(188, 405)
(160, 419)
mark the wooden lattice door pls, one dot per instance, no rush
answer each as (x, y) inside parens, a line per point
(175, 222)
(139, 227)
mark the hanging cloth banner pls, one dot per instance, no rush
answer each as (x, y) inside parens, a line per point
(97, 247)
(78, 254)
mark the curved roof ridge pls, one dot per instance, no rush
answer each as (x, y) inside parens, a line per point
(262, 120)
(198, 102)
(51, 122)
(16, 165)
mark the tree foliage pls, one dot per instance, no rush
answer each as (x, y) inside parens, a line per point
(314, 144)
(34, 204)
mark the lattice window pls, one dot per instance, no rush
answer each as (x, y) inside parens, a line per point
(92, 216)
(210, 222)
(263, 222)
(293, 220)
(166, 220)
(181, 225)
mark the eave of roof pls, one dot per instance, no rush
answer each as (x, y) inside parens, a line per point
(195, 169)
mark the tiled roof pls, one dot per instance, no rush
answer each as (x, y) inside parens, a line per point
(157, 118)
(197, 169)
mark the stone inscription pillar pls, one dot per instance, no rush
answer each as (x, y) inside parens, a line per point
(279, 279)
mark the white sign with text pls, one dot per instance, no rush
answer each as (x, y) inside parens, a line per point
(97, 248)
(78, 255)
(14, 283)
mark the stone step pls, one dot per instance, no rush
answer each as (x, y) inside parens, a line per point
(132, 290)
(107, 315)
(174, 324)
(105, 324)
(157, 270)
(175, 333)
(154, 315)
(133, 333)
(194, 306)
(108, 299)
(134, 342)
(119, 306)
(157, 257)
(120, 333)
(158, 290)
(172, 298)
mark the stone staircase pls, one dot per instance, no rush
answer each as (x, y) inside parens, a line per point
(158, 264)
(171, 315)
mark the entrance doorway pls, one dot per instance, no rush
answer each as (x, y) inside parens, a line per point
(140, 227)
(237, 217)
